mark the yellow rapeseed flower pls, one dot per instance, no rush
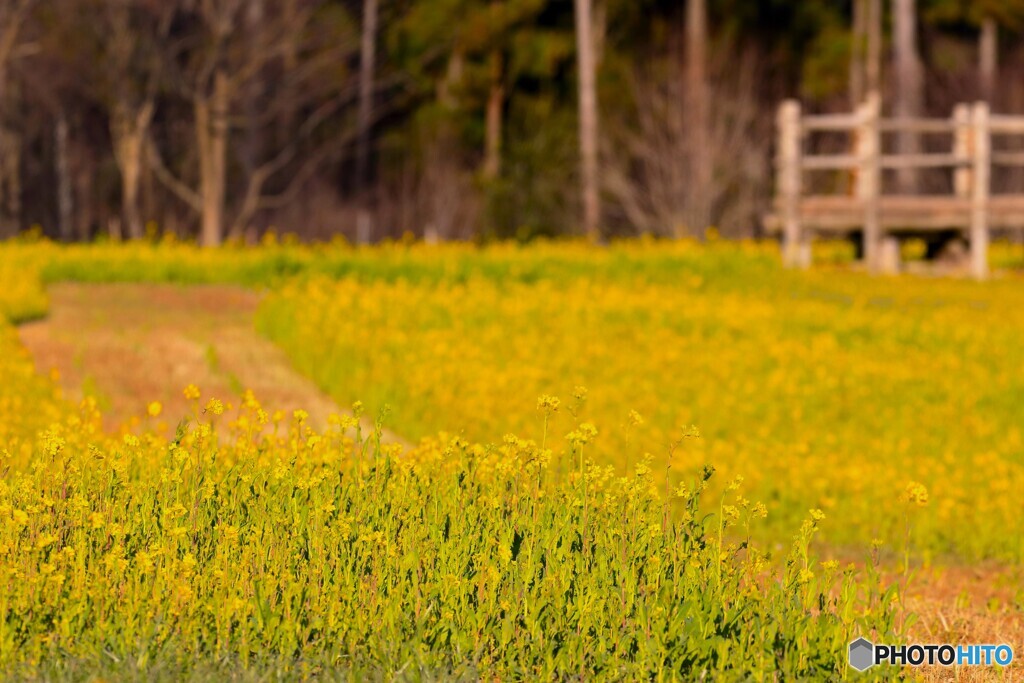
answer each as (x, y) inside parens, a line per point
(548, 403)
(45, 540)
(916, 494)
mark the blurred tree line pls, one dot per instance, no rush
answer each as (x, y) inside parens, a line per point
(469, 119)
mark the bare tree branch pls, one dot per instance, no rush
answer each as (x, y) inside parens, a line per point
(182, 191)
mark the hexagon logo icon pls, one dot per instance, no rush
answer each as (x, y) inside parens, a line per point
(862, 654)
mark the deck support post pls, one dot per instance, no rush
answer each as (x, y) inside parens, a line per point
(788, 189)
(981, 148)
(962, 133)
(889, 255)
(869, 180)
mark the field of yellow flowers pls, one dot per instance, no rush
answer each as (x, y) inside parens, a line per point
(827, 389)
(560, 517)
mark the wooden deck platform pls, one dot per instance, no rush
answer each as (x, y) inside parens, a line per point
(899, 214)
(880, 220)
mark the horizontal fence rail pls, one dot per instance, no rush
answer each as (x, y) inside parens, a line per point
(881, 219)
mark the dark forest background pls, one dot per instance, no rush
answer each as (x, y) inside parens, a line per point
(451, 119)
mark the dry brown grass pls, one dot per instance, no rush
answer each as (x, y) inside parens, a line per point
(964, 605)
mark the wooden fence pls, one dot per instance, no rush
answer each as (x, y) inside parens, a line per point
(882, 219)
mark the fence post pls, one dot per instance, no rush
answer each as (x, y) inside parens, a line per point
(962, 150)
(789, 181)
(982, 143)
(869, 185)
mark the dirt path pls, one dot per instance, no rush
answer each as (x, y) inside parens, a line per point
(129, 344)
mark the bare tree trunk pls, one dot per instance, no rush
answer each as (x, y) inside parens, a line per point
(148, 200)
(219, 149)
(367, 66)
(495, 105)
(910, 84)
(452, 79)
(599, 30)
(440, 186)
(588, 120)
(865, 63)
(131, 173)
(207, 209)
(211, 139)
(13, 14)
(252, 153)
(83, 174)
(65, 198)
(698, 96)
(10, 171)
(858, 64)
(129, 131)
(988, 56)
(873, 62)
